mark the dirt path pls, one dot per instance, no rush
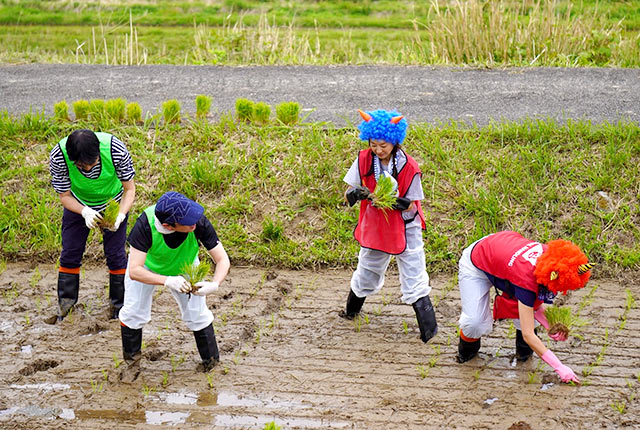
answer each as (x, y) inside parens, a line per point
(334, 93)
(287, 357)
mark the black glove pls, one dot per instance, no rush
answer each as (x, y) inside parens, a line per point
(401, 204)
(357, 193)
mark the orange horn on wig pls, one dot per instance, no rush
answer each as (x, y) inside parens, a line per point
(584, 268)
(397, 119)
(365, 116)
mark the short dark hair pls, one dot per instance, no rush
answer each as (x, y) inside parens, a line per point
(164, 217)
(83, 146)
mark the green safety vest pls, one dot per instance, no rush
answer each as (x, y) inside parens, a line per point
(164, 260)
(94, 192)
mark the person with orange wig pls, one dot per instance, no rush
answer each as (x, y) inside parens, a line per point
(526, 274)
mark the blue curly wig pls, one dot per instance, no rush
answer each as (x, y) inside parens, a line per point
(381, 127)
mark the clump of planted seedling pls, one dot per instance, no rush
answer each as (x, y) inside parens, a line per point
(272, 426)
(563, 320)
(203, 104)
(244, 110)
(61, 111)
(288, 112)
(423, 370)
(147, 390)
(261, 113)
(96, 108)
(114, 108)
(81, 109)
(171, 111)
(194, 273)
(110, 214)
(165, 379)
(134, 113)
(116, 362)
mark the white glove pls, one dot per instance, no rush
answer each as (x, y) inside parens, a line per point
(177, 283)
(119, 219)
(90, 216)
(206, 288)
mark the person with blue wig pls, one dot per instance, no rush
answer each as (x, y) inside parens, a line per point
(386, 232)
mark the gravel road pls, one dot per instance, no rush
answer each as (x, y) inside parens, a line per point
(334, 93)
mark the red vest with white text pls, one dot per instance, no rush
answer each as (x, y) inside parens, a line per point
(384, 230)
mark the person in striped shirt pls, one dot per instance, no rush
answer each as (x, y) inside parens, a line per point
(89, 169)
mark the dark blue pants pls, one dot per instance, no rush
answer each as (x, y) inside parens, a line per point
(74, 242)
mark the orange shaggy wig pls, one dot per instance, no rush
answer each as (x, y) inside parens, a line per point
(563, 257)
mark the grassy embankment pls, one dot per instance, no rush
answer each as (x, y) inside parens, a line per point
(232, 32)
(275, 193)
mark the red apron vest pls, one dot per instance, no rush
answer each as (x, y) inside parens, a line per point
(384, 230)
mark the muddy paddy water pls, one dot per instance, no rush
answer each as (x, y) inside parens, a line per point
(287, 357)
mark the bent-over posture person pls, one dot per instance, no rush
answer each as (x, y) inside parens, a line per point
(87, 171)
(165, 237)
(527, 274)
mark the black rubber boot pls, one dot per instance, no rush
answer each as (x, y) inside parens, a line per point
(207, 347)
(354, 305)
(426, 316)
(523, 350)
(131, 346)
(68, 286)
(467, 350)
(116, 294)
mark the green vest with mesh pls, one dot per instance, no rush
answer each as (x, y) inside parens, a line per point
(164, 260)
(94, 192)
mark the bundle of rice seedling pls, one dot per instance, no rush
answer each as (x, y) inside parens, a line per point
(384, 196)
(563, 320)
(195, 273)
(110, 214)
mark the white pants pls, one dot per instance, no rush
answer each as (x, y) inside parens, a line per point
(136, 311)
(414, 281)
(476, 319)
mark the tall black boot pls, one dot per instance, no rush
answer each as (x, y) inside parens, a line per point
(207, 347)
(354, 305)
(523, 350)
(467, 350)
(426, 317)
(68, 286)
(131, 346)
(116, 294)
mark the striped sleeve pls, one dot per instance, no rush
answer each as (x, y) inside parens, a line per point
(59, 172)
(122, 160)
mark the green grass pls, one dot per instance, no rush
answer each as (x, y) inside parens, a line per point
(275, 193)
(233, 32)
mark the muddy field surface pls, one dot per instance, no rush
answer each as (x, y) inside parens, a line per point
(287, 357)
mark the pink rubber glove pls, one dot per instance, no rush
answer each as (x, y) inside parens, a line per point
(539, 316)
(564, 372)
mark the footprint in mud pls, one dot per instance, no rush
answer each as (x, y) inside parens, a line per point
(155, 354)
(37, 366)
(520, 425)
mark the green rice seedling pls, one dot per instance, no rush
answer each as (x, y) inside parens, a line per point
(619, 406)
(271, 426)
(357, 323)
(203, 105)
(195, 273)
(384, 196)
(35, 278)
(288, 112)
(165, 379)
(563, 320)
(476, 375)
(134, 113)
(423, 370)
(244, 110)
(533, 377)
(114, 108)
(147, 390)
(96, 109)
(27, 321)
(61, 111)
(116, 361)
(262, 113)
(225, 370)
(105, 375)
(171, 111)
(210, 379)
(81, 109)
(405, 327)
(110, 214)
(3, 265)
(96, 386)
